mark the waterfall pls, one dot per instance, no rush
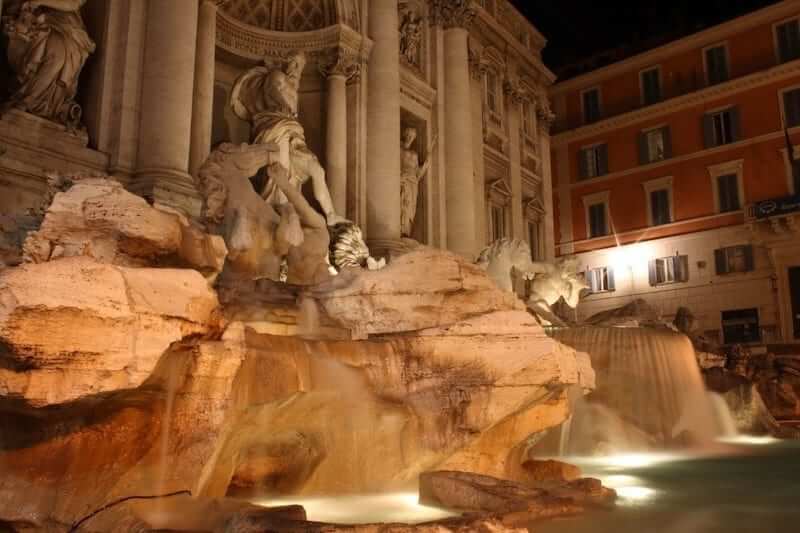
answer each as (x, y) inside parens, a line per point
(650, 393)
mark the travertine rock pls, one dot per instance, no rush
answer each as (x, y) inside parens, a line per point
(75, 327)
(512, 502)
(98, 218)
(425, 288)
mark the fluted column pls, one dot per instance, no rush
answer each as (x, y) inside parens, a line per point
(337, 68)
(383, 125)
(203, 108)
(462, 229)
(166, 106)
(514, 96)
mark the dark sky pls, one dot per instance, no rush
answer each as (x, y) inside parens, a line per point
(578, 29)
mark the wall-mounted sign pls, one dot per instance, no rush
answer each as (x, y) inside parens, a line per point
(778, 206)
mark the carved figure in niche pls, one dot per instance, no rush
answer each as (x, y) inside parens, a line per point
(506, 259)
(410, 35)
(267, 98)
(411, 173)
(47, 48)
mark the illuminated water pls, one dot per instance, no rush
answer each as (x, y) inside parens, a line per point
(756, 489)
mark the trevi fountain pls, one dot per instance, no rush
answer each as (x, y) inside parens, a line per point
(211, 323)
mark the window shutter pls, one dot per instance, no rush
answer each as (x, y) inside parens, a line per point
(603, 159)
(651, 267)
(682, 267)
(665, 133)
(735, 129)
(708, 131)
(791, 108)
(583, 170)
(720, 261)
(783, 42)
(749, 263)
(611, 284)
(643, 159)
(592, 280)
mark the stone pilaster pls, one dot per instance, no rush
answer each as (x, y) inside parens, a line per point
(167, 96)
(203, 107)
(337, 67)
(514, 97)
(462, 224)
(383, 125)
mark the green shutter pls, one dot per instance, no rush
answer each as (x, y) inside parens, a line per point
(643, 152)
(735, 126)
(603, 159)
(708, 131)
(583, 169)
(682, 267)
(720, 261)
(651, 268)
(611, 283)
(748, 258)
(665, 132)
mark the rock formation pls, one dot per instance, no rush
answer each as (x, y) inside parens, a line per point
(123, 374)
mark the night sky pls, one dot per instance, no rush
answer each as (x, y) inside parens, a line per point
(579, 29)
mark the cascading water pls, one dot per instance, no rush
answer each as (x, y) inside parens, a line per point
(650, 394)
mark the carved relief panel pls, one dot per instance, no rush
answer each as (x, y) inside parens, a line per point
(413, 34)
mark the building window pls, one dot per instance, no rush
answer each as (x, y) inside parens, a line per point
(492, 94)
(528, 124)
(787, 37)
(601, 279)
(721, 127)
(598, 223)
(650, 85)
(498, 229)
(734, 259)
(593, 161)
(740, 326)
(591, 105)
(716, 61)
(659, 206)
(654, 145)
(533, 239)
(673, 269)
(728, 193)
(791, 108)
(796, 177)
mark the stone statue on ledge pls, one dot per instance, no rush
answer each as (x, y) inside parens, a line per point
(411, 173)
(411, 25)
(506, 259)
(47, 48)
(267, 98)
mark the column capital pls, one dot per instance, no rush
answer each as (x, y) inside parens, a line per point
(452, 13)
(515, 91)
(544, 113)
(338, 62)
(477, 66)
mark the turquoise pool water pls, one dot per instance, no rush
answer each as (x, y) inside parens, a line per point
(752, 488)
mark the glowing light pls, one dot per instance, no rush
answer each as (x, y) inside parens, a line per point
(748, 439)
(637, 460)
(635, 495)
(364, 509)
(630, 257)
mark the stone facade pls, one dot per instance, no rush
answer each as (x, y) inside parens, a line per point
(155, 95)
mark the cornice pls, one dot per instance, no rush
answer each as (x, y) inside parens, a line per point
(691, 42)
(256, 44)
(416, 88)
(678, 103)
(532, 65)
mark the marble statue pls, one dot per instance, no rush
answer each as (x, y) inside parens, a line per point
(349, 250)
(267, 98)
(410, 36)
(47, 48)
(506, 259)
(411, 173)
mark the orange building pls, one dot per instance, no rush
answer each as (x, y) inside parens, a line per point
(672, 180)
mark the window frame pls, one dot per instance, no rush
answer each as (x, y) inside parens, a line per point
(678, 263)
(727, 55)
(602, 197)
(497, 92)
(782, 104)
(642, 72)
(659, 184)
(610, 285)
(724, 254)
(600, 171)
(720, 113)
(723, 169)
(726, 340)
(776, 44)
(666, 141)
(596, 88)
(792, 186)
